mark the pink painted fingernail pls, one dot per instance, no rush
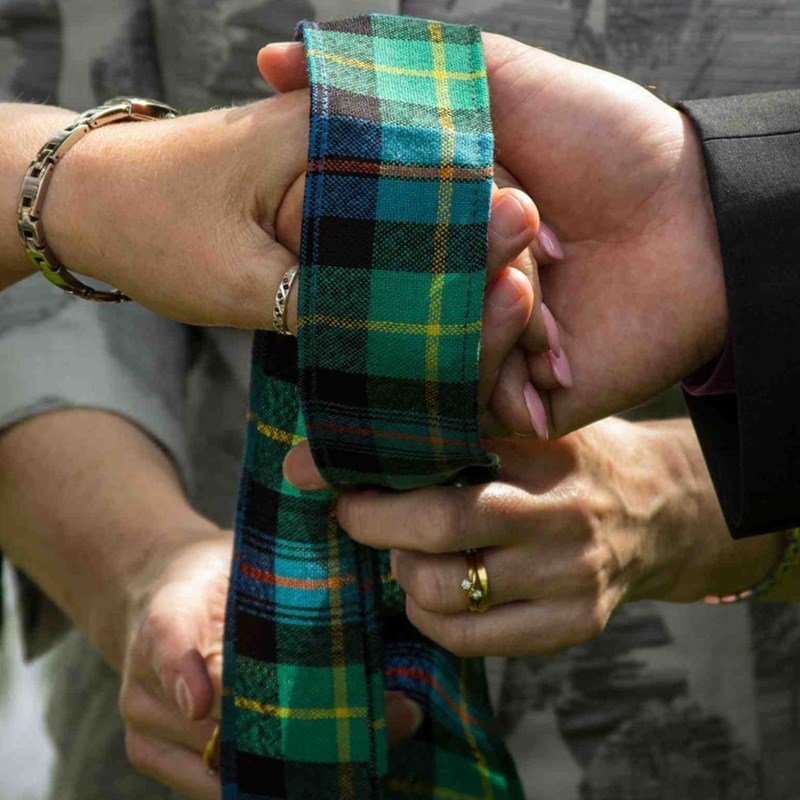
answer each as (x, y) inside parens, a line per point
(536, 411)
(561, 369)
(183, 697)
(549, 242)
(551, 328)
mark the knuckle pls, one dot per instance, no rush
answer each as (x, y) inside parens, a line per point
(582, 509)
(347, 513)
(136, 750)
(440, 523)
(590, 566)
(458, 636)
(428, 587)
(593, 622)
(156, 626)
(126, 702)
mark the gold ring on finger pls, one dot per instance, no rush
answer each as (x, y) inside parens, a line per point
(476, 584)
(211, 752)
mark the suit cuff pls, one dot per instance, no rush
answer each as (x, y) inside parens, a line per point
(751, 439)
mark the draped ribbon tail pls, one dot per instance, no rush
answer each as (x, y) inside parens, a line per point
(382, 381)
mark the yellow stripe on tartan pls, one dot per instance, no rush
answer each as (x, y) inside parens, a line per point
(428, 790)
(271, 432)
(338, 663)
(439, 263)
(283, 712)
(437, 74)
(387, 326)
(480, 758)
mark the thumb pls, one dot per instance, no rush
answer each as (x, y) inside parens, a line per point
(194, 690)
(178, 665)
(403, 717)
(283, 65)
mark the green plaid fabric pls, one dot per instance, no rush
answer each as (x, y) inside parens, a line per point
(383, 382)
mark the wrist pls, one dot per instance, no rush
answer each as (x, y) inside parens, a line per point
(692, 554)
(82, 186)
(118, 613)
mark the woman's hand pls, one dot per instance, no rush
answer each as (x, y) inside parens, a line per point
(172, 673)
(179, 214)
(571, 529)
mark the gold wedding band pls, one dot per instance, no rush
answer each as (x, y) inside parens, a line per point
(282, 296)
(476, 584)
(211, 752)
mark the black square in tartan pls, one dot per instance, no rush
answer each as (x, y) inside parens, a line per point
(304, 782)
(383, 393)
(366, 461)
(462, 255)
(346, 243)
(455, 397)
(294, 649)
(392, 251)
(255, 640)
(348, 390)
(261, 502)
(277, 356)
(255, 772)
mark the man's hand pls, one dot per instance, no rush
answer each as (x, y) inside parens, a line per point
(569, 531)
(619, 174)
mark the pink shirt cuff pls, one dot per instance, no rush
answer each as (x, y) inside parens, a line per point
(716, 377)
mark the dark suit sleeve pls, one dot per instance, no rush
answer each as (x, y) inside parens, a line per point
(751, 438)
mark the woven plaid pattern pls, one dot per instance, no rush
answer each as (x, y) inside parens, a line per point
(383, 382)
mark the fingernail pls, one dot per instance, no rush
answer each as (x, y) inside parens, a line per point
(536, 411)
(508, 218)
(551, 328)
(549, 242)
(415, 713)
(503, 293)
(561, 369)
(183, 697)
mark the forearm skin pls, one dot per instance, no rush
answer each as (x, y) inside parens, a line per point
(89, 504)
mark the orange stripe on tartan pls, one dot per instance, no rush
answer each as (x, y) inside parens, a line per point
(425, 677)
(298, 583)
(420, 172)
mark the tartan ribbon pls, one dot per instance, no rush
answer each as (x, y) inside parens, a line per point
(382, 380)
